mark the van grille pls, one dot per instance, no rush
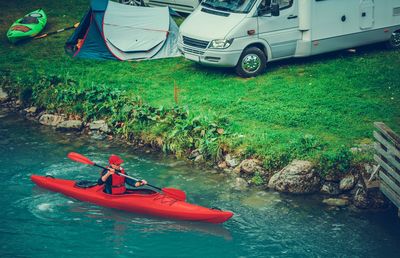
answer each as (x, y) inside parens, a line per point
(193, 51)
(195, 42)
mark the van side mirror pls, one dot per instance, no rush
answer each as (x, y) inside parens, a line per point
(275, 9)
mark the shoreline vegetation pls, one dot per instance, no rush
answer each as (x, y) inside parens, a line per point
(201, 142)
(305, 126)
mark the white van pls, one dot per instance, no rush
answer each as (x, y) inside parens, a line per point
(246, 34)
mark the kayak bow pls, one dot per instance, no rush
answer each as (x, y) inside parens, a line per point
(28, 26)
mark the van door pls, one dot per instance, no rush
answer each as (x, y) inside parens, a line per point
(366, 14)
(281, 32)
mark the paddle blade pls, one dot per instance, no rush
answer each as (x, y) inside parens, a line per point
(79, 158)
(175, 193)
(41, 36)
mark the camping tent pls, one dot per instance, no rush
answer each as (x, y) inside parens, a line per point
(110, 30)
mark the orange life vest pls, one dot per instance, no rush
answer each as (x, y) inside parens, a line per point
(118, 183)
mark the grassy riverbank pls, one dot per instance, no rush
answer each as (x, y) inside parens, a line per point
(313, 108)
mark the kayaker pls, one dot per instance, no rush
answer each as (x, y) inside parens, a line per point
(115, 184)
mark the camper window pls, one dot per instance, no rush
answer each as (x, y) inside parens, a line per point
(234, 6)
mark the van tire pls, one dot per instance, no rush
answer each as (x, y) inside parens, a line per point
(132, 2)
(394, 41)
(252, 62)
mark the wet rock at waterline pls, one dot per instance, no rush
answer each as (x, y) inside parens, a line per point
(240, 184)
(199, 159)
(360, 199)
(99, 125)
(347, 183)
(97, 136)
(222, 165)
(333, 177)
(231, 161)
(3, 95)
(249, 166)
(70, 125)
(330, 188)
(194, 154)
(31, 110)
(51, 120)
(298, 177)
(338, 202)
(372, 199)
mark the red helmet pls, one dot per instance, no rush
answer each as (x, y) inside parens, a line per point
(114, 159)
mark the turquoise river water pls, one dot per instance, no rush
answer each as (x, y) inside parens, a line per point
(38, 223)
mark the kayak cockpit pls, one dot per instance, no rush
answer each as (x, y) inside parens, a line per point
(143, 191)
(84, 184)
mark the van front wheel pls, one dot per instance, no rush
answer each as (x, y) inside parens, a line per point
(251, 63)
(132, 2)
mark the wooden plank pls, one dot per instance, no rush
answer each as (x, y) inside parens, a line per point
(388, 134)
(388, 169)
(373, 184)
(390, 194)
(389, 181)
(391, 160)
(389, 146)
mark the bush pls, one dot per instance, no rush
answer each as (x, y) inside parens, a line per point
(25, 95)
(257, 179)
(335, 162)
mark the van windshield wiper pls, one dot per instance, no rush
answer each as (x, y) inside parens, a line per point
(221, 8)
(207, 5)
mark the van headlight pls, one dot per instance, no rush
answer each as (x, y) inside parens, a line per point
(221, 43)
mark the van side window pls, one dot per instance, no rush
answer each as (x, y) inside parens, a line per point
(265, 6)
(285, 4)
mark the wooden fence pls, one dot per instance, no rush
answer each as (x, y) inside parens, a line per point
(387, 147)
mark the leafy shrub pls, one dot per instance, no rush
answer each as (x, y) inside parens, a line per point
(25, 95)
(333, 162)
(257, 179)
(276, 159)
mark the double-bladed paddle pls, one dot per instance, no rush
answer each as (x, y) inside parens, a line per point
(172, 192)
(57, 31)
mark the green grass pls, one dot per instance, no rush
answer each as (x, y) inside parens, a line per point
(332, 99)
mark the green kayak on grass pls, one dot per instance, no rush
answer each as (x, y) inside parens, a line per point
(28, 26)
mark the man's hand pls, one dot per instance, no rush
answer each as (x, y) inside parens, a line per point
(140, 183)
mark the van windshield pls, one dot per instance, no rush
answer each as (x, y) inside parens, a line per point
(234, 6)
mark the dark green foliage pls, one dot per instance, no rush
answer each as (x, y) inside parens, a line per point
(276, 160)
(178, 129)
(338, 161)
(257, 179)
(25, 95)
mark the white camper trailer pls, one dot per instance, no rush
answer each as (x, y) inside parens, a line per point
(246, 34)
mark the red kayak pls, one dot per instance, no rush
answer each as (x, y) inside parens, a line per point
(141, 201)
